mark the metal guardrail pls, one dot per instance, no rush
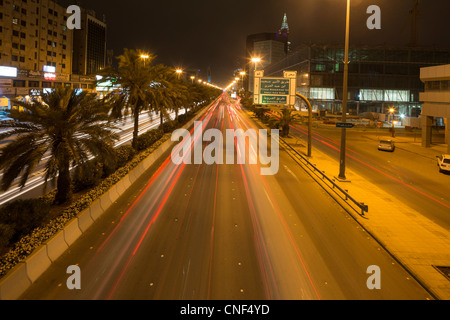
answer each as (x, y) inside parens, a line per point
(363, 207)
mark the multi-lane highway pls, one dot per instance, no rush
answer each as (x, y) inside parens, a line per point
(224, 231)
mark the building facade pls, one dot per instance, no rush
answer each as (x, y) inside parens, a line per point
(89, 44)
(380, 77)
(36, 50)
(436, 101)
(34, 35)
(269, 47)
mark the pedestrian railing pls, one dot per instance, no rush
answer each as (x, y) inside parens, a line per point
(331, 182)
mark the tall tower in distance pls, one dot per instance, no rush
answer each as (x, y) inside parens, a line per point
(284, 26)
(209, 74)
(284, 33)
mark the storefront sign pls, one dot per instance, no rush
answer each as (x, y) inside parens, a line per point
(35, 92)
(8, 72)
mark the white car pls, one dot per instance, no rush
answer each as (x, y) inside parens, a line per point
(386, 145)
(444, 163)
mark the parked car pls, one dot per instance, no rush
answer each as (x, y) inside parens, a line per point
(386, 145)
(444, 163)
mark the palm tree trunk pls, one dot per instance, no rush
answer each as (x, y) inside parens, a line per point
(136, 128)
(161, 116)
(63, 183)
(285, 130)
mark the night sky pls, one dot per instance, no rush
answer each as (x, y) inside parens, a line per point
(198, 34)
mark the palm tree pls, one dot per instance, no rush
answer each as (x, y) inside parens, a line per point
(181, 98)
(283, 119)
(164, 91)
(67, 126)
(134, 76)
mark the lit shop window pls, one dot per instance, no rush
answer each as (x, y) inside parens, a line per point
(371, 95)
(397, 95)
(322, 93)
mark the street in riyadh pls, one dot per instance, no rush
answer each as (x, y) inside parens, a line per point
(235, 159)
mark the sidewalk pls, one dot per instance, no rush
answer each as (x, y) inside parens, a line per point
(413, 145)
(415, 241)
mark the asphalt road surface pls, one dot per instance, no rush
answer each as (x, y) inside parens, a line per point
(200, 231)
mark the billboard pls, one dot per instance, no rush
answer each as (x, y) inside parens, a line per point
(8, 72)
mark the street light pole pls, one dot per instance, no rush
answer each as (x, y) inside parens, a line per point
(179, 72)
(345, 97)
(309, 122)
(255, 61)
(392, 111)
(145, 57)
(242, 73)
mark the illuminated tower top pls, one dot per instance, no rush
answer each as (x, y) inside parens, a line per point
(284, 26)
(284, 33)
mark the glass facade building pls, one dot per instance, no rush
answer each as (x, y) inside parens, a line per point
(380, 77)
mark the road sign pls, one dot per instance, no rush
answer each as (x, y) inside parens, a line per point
(274, 86)
(275, 91)
(344, 125)
(274, 99)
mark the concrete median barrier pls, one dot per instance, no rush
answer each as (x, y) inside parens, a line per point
(131, 177)
(15, 283)
(37, 263)
(120, 187)
(72, 232)
(114, 194)
(96, 209)
(105, 201)
(85, 220)
(136, 173)
(127, 181)
(56, 246)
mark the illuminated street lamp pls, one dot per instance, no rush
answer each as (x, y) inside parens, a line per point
(256, 60)
(145, 57)
(242, 73)
(192, 79)
(179, 72)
